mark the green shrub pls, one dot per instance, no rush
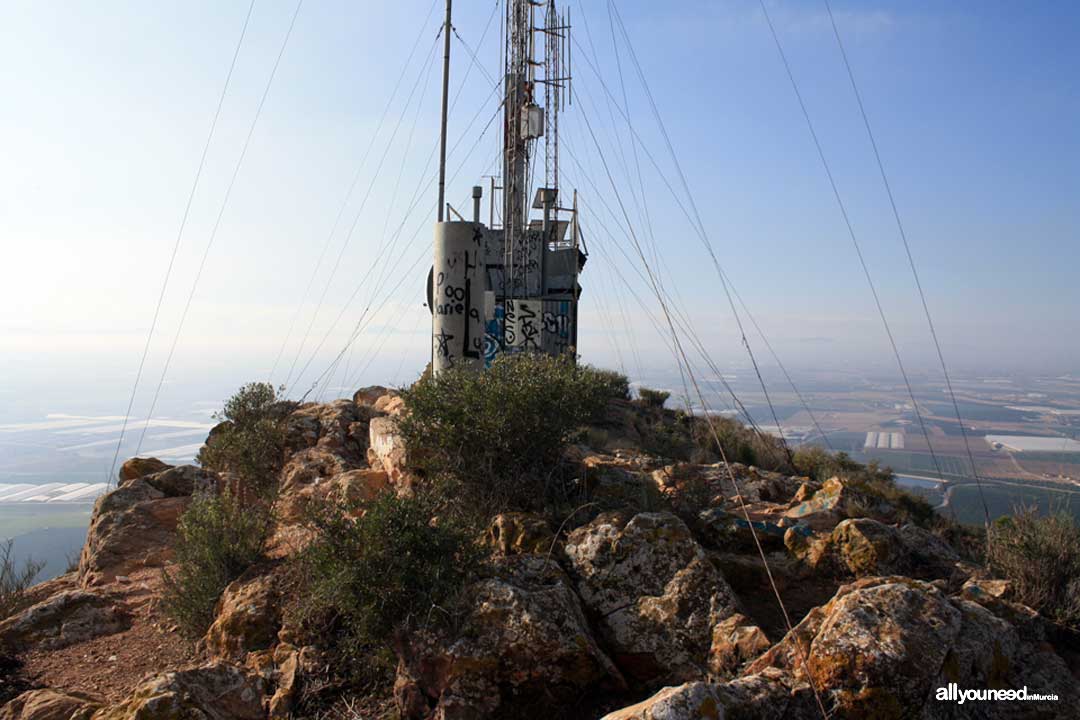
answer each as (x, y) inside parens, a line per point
(677, 435)
(218, 538)
(392, 569)
(496, 437)
(652, 398)
(250, 439)
(608, 383)
(14, 580)
(1040, 556)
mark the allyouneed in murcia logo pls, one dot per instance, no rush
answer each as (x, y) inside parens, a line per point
(952, 692)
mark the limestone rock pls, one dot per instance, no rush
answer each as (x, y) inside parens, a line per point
(284, 697)
(213, 692)
(247, 618)
(386, 450)
(770, 694)
(616, 482)
(735, 642)
(517, 533)
(867, 547)
(329, 427)
(525, 639)
(370, 394)
(655, 593)
(137, 467)
(731, 530)
(131, 527)
(48, 704)
(391, 404)
(863, 547)
(303, 471)
(692, 701)
(881, 646)
(357, 486)
(183, 480)
(67, 618)
(835, 501)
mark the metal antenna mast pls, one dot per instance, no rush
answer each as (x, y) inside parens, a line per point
(445, 95)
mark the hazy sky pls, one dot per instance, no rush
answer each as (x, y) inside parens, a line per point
(105, 106)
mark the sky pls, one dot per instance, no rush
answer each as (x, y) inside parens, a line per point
(105, 108)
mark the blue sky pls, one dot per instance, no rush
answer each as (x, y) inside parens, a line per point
(106, 105)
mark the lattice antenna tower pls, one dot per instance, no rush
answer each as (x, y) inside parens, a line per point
(532, 26)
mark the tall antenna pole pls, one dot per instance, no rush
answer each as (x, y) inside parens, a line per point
(445, 94)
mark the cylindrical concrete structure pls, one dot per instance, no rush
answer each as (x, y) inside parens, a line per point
(459, 281)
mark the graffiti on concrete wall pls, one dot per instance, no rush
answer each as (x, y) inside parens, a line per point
(523, 325)
(557, 326)
(523, 265)
(457, 297)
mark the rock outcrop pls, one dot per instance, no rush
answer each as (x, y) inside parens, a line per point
(653, 591)
(48, 704)
(247, 618)
(70, 617)
(647, 601)
(881, 647)
(214, 692)
(133, 527)
(525, 639)
(863, 547)
(691, 701)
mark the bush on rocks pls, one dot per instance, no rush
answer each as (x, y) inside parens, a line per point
(218, 538)
(1041, 558)
(497, 436)
(250, 437)
(391, 569)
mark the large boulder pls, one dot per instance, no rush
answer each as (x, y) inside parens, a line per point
(654, 592)
(68, 618)
(517, 533)
(371, 394)
(691, 701)
(131, 527)
(339, 427)
(735, 642)
(305, 484)
(247, 618)
(214, 692)
(180, 481)
(882, 646)
(303, 479)
(836, 500)
(864, 547)
(310, 467)
(357, 486)
(138, 467)
(49, 704)
(524, 640)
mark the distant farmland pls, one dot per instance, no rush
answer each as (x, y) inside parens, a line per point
(918, 463)
(1004, 499)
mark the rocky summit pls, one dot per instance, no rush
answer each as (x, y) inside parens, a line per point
(656, 599)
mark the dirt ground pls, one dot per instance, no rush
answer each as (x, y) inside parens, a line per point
(110, 667)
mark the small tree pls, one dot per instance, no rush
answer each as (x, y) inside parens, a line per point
(218, 538)
(14, 579)
(1040, 556)
(250, 439)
